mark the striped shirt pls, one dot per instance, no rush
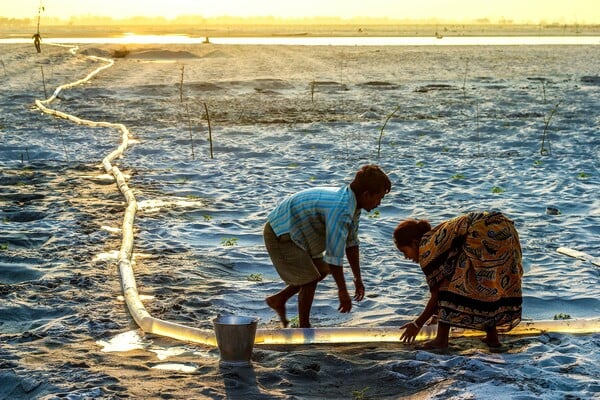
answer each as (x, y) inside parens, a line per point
(318, 220)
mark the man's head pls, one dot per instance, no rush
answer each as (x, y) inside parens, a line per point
(370, 185)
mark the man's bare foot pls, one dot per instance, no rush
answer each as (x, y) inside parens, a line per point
(279, 309)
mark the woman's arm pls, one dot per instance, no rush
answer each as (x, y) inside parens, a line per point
(411, 329)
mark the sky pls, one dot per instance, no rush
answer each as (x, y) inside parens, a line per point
(518, 11)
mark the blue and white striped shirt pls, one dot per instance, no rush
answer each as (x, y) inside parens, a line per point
(321, 219)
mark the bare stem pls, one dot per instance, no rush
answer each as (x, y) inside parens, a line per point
(209, 131)
(382, 128)
(44, 82)
(187, 110)
(543, 150)
(464, 88)
(181, 85)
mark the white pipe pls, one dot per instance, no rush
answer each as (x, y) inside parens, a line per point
(579, 254)
(173, 330)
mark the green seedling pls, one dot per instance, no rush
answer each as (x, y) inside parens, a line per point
(255, 277)
(228, 242)
(561, 316)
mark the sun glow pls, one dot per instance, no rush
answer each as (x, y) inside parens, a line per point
(460, 11)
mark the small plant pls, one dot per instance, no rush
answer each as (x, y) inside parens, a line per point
(375, 214)
(228, 242)
(181, 85)
(583, 175)
(187, 110)
(255, 277)
(497, 189)
(537, 163)
(207, 218)
(294, 322)
(420, 164)
(210, 140)
(360, 394)
(543, 150)
(293, 165)
(561, 316)
(382, 128)
(458, 176)
(3, 246)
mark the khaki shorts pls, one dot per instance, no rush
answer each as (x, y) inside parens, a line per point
(294, 265)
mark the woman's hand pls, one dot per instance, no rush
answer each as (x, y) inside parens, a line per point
(411, 330)
(359, 293)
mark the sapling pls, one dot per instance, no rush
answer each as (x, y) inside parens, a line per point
(543, 82)
(44, 82)
(464, 88)
(187, 110)
(382, 128)
(477, 127)
(543, 150)
(62, 138)
(210, 141)
(181, 85)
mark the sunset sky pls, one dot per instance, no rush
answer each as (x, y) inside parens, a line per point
(530, 11)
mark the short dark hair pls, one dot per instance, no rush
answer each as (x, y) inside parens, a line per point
(371, 178)
(409, 230)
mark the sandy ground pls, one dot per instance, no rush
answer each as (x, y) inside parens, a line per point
(467, 134)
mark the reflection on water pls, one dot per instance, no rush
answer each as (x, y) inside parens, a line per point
(329, 41)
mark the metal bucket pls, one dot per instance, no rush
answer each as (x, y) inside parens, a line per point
(235, 339)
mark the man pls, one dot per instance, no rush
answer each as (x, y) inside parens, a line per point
(308, 234)
(37, 38)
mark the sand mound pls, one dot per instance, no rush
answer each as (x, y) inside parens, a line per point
(94, 51)
(162, 55)
(216, 54)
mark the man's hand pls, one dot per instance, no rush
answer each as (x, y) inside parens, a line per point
(345, 301)
(359, 293)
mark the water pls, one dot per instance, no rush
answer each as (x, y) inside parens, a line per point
(327, 40)
(468, 135)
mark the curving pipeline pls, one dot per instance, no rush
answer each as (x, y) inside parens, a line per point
(149, 324)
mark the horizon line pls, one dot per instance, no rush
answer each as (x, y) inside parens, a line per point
(274, 20)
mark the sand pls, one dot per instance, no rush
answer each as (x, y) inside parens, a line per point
(467, 136)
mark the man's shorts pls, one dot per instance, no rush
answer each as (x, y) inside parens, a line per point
(295, 266)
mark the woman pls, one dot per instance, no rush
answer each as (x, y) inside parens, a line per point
(472, 264)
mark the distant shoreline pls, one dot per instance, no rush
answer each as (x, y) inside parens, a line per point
(353, 30)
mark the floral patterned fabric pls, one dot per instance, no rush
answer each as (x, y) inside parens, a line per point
(475, 260)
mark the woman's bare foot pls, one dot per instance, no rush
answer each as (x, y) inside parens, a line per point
(279, 309)
(435, 344)
(491, 337)
(491, 343)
